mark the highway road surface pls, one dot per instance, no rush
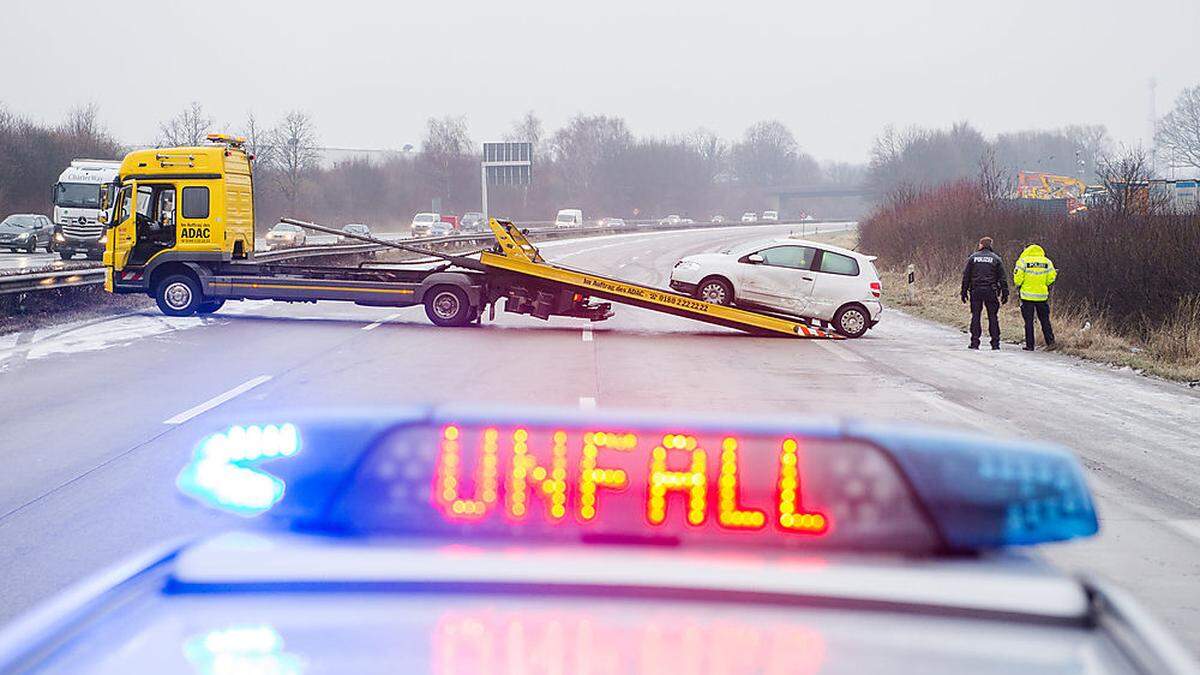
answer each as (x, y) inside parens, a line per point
(99, 416)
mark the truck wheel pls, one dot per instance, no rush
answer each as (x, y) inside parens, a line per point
(447, 306)
(210, 306)
(66, 255)
(852, 321)
(715, 290)
(178, 295)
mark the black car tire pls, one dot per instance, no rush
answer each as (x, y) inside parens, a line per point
(852, 321)
(32, 247)
(715, 290)
(50, 246)
(178, 295)
(66, 255)
(448, 306)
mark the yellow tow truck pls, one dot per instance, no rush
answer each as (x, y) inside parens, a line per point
(182, 231)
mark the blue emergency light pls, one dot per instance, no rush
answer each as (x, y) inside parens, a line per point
(545, 475)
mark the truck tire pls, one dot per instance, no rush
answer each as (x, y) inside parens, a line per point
(178, 295)
(210, 306)
(448, 306)
(852, 321)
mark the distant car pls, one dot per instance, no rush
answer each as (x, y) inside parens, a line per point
(611, 222)
(26, 231)
(422, 223)
(717, 219)
(286, 235)
(472, 221)
(793, 276)
(569, 218)
(771, 215)
(672, 219)
(354, 228)
(749, 217)
(452, 220)
(441, 228)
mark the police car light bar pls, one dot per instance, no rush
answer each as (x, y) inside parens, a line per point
(631, 479)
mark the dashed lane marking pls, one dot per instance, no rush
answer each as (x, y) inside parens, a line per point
(377, 324)
(587, 335)
(217, 400)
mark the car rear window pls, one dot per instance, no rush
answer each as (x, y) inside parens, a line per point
(836, 263)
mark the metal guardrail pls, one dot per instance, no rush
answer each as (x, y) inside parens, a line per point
(41, 281)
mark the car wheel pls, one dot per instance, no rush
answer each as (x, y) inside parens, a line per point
(178, 295)
(210, 306)
(715, 290)
(852, 321)
(32, 247)
(50, 246)
(447, 306)
(66, 255)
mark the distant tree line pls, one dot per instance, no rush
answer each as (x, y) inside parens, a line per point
(593, 162)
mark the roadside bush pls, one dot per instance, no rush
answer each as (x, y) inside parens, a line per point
(1135, 268)
(1127, 276)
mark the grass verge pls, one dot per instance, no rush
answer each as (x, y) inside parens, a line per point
(1172, 353)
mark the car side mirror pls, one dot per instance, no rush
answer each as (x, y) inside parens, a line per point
(755, 259)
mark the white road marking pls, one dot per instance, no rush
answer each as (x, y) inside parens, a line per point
(377, 324)
(587, 403)
(217, 400)
(587, 334)
(839, 351)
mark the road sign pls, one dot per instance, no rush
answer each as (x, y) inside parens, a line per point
(508, 164)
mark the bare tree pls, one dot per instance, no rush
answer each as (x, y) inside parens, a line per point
(713, 151)
(294, 154)
(528, 129)
(995, 182)
(1179, 131)
(1126, 179)
(443, 150)
(1091, 143)
(580, 147)
(767, 155)
(258, 141)
(189, 127)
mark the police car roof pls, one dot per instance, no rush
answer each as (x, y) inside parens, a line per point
(390, 539)
(275, 601)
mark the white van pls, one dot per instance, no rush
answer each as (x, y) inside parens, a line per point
(77, 205)
(569, 218)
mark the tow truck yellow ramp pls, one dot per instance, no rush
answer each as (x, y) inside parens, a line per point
(515, 254)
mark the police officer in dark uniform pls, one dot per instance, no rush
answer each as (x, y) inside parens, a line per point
(984, 280)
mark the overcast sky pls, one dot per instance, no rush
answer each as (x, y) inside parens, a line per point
(370, 73)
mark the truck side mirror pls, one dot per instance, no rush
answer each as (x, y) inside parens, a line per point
(105, 196)
(102, 217)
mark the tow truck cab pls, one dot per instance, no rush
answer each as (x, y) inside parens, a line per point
(178, 206)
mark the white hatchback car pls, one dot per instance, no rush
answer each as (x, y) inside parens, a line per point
(793, 276)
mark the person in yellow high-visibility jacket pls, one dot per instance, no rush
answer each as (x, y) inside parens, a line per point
(1033, 275)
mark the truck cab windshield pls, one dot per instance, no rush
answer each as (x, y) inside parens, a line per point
(77, 195)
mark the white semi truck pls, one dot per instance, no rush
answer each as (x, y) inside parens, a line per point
(77, 205)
